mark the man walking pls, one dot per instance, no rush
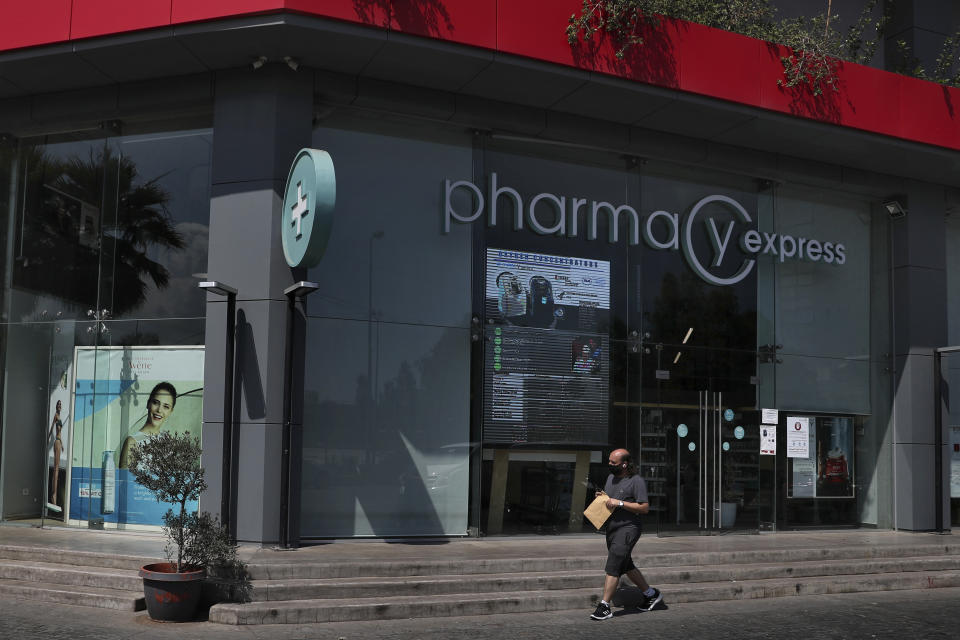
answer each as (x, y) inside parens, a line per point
(627, 496)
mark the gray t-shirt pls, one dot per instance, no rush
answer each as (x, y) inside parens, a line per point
(629, 489)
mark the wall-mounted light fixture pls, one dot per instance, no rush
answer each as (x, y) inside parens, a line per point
(293, 63)
(259, 62)
(894, 208)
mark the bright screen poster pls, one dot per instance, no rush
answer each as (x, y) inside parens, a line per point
(546, 349)
(122, 395)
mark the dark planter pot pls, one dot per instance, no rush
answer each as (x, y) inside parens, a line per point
(171, 596)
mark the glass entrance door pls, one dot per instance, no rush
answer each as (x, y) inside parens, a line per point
(699, 449)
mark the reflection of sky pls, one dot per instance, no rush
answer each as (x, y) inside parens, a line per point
(679, 196)
(181, 298)
(952, 229)
(824, 309)
(180, 162)
(337, 353)
(393, 186)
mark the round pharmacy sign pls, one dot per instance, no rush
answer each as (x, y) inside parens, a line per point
(308, 202)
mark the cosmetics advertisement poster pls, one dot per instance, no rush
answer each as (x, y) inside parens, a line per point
(122, 396)
(57, 426)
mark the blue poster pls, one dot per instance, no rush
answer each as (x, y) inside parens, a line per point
(122, 396)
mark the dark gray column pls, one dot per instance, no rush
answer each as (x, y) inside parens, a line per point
(261, 118)
(920, 326)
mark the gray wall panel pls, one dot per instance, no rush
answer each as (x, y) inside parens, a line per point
(914, 514)
(913, 410)
(258, 485)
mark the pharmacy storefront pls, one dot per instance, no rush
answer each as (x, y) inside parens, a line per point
(528, 261)
(524, 308)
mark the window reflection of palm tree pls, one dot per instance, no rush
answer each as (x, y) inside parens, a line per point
(65, 197)
(163, 398)
(56, 426)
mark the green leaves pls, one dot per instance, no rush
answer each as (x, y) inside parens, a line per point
(816, 47)
(168, 464)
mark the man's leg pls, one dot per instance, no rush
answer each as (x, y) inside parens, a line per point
(651, 597)
(637, 578)
(619, 546)
(609, 587)
(618, 554)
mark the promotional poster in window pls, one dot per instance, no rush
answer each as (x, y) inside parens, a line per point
(124, 395)
(57, 426)
(827, 470)
(547, 349)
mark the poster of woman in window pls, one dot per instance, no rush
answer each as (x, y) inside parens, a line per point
(123, 396)
(57, 428)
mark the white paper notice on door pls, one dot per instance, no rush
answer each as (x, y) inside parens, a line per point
(769, 416)
(768, 440)
(798, 437)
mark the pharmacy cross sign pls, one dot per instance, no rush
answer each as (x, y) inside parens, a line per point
(299, 208)
(308, 203)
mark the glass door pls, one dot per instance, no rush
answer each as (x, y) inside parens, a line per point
(699, 449)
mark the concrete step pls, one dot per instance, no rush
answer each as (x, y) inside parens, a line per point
(416, 606)
(301, 569)
(300, 589)
(74, 575)
(84, 596)
(73, 557)
(476, 566)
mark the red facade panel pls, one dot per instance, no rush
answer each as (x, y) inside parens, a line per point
(868, 100)
(198, 10)
(26, 24)
(677, 55)
(718, 64)
(105, 17)
(537, 29)
(472, 22)
(371, 12)
(776, 96)
(929, 112)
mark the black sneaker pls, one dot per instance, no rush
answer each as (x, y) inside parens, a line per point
(602, 613)
(648, 603)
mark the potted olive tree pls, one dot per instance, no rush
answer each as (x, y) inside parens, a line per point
(168, 465)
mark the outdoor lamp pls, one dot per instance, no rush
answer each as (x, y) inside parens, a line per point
(296, 291)
(229, 441)
(895, 209)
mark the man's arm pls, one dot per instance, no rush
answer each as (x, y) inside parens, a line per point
(633, 507)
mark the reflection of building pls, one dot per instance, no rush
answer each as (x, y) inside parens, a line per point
(571, 255)
(79, 219)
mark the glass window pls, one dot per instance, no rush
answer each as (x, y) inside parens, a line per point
(554, 375)
(104, 240)
(951, 364)
(822, 312)
(156, 248)
(387, 382)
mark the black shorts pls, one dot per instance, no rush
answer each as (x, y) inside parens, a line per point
(620, 543)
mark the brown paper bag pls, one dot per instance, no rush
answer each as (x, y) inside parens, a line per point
(598, 511)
